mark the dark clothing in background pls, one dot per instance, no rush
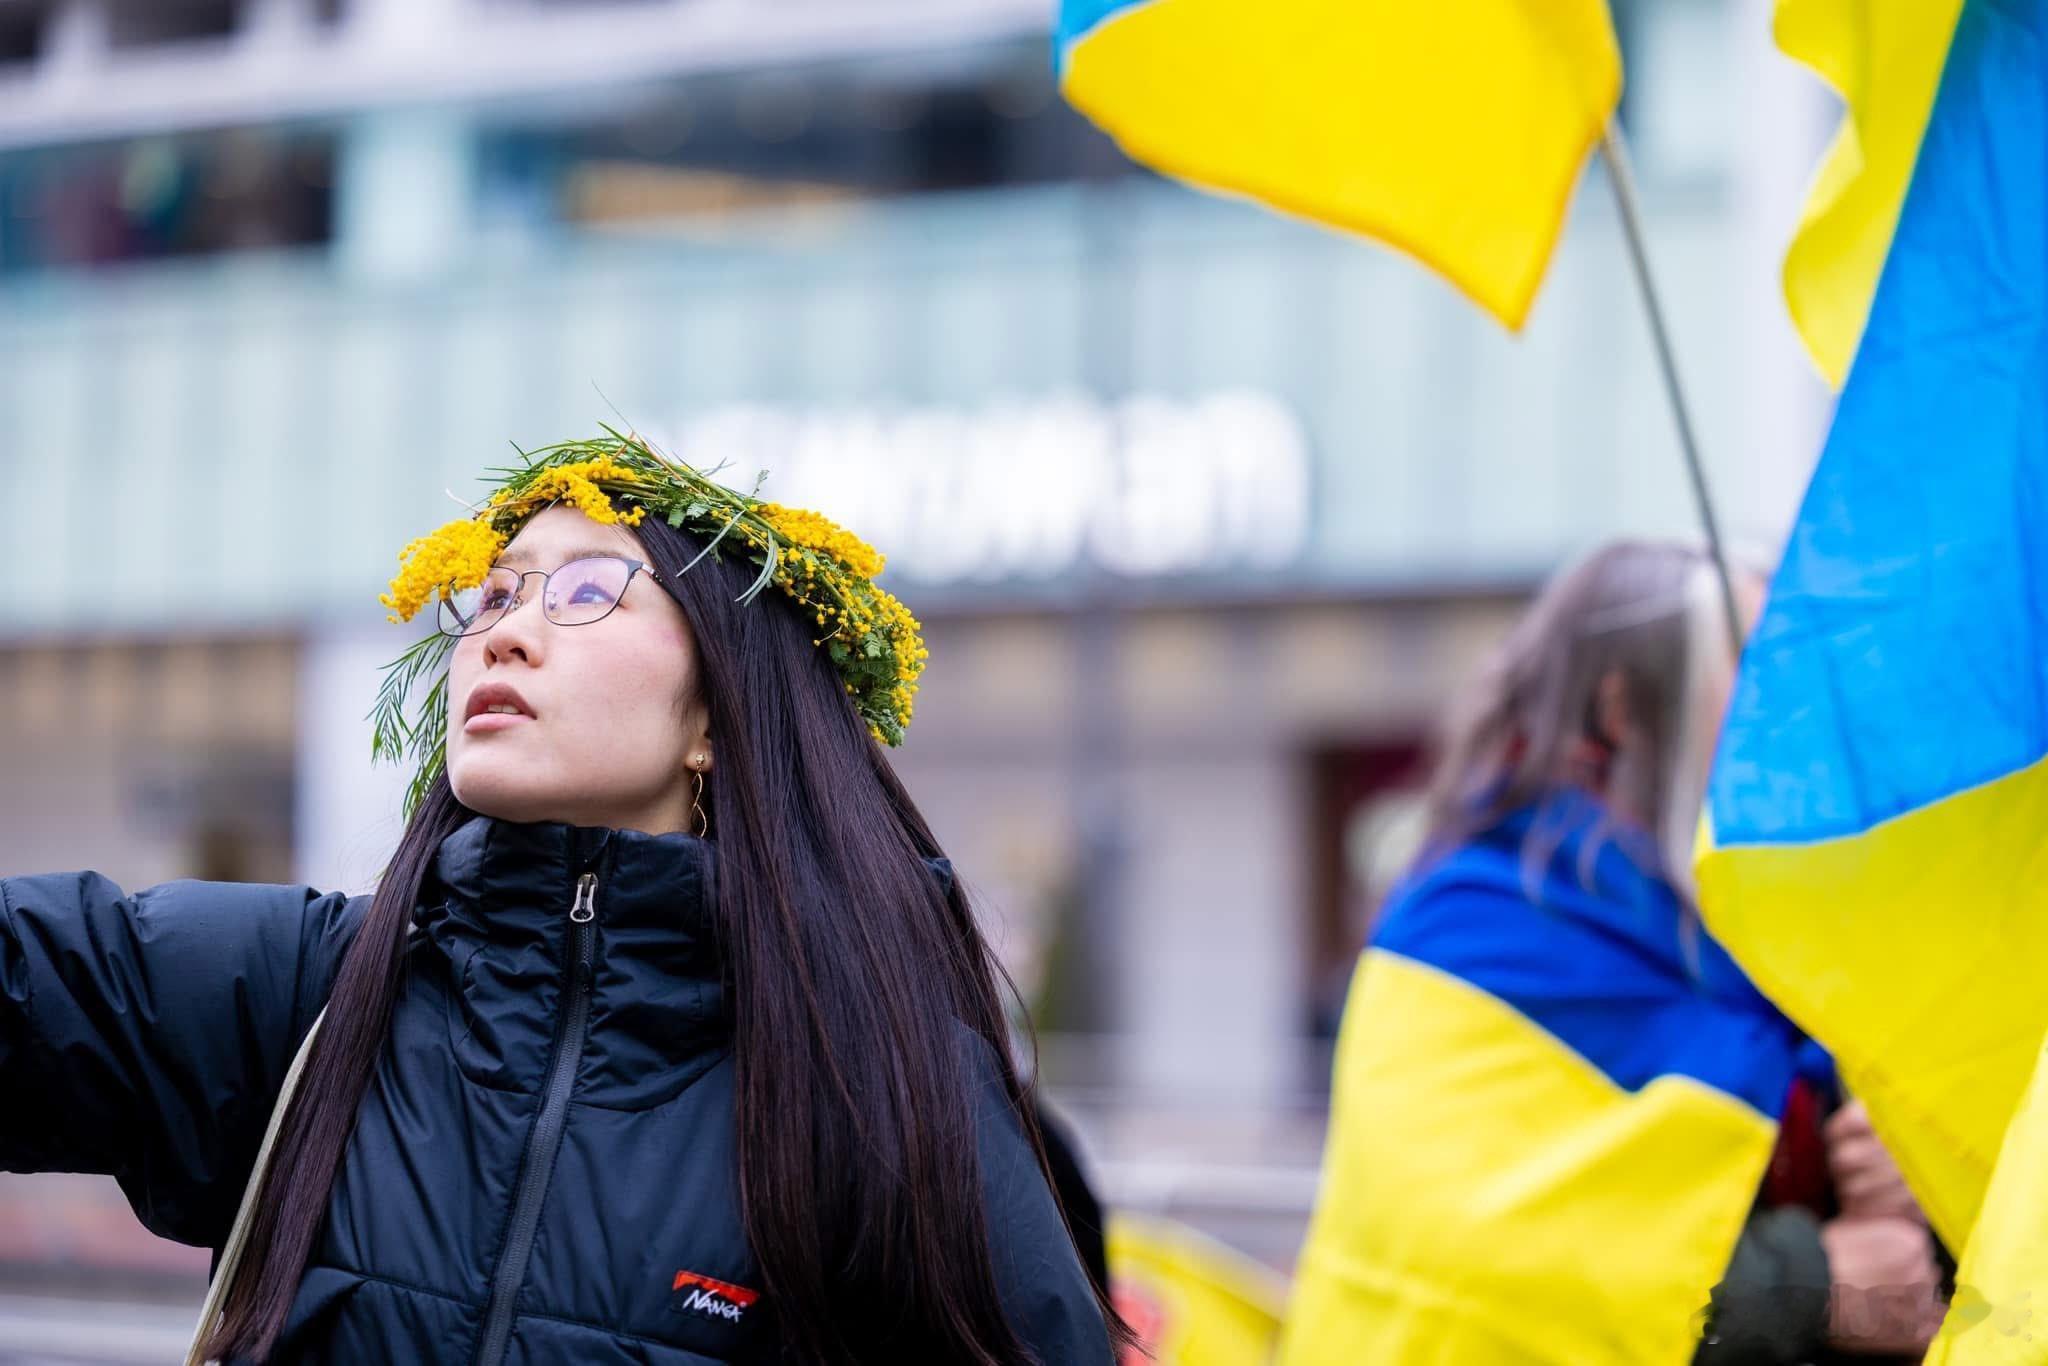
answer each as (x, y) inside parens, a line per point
(1771, 1309)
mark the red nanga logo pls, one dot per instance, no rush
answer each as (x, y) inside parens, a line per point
(695, 1294)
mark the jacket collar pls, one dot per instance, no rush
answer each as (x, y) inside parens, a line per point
(495, 907)
(526, 876)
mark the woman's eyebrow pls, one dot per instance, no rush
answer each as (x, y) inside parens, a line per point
(512, 559)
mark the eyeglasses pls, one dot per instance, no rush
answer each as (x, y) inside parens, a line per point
(573, 594)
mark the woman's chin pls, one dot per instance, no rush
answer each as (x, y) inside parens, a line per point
(507, 797)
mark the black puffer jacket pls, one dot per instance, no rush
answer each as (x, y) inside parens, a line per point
(543, 1169)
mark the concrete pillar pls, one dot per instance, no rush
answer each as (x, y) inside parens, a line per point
(346, 821)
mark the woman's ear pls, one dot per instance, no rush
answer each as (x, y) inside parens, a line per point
(697, 726)
(1611, 715)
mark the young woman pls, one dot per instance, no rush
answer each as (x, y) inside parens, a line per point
(1566, 1128)
(667, 1037)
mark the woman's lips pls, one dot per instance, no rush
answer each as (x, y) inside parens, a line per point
(485, 722)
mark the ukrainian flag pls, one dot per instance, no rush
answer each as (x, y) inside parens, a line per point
(1554, 1103)
(1876, 850)
(1192, 1300)
(1453, 129)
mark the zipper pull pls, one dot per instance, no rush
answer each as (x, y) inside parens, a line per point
(585, 909)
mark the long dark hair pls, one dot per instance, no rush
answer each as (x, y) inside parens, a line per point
(852, 971)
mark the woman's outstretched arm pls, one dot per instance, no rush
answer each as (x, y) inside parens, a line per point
(146, 1036)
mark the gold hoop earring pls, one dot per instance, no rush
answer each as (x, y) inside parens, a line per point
(700, 824)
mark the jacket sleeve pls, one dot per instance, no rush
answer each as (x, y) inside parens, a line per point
(146, 1037)
(1046, 1293)
(1070, 1186)
(1771, 1309)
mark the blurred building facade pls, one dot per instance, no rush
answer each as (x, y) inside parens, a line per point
(1207, 511)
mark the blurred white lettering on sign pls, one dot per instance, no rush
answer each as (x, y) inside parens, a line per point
(1033, 489)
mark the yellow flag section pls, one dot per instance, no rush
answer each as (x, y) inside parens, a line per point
(1885, 61)
(1904, 949)
(1999, 1316)
(1194, 1301)
(1876, 853)
(1455, 129)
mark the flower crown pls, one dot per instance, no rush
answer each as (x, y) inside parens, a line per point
(873, 641)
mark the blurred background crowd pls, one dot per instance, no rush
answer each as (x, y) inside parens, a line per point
(1206, 511)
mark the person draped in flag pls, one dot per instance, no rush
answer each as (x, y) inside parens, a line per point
(1566, 1128)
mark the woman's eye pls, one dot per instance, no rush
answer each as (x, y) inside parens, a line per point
(493, 601)
(590, 592)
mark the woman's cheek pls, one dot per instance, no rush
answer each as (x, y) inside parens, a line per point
(645, 682)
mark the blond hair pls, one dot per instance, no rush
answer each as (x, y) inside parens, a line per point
(1645, 612)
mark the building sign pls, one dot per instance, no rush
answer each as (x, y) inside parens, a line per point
(1036, 489)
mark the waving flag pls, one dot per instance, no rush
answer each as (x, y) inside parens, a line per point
(1553, 1109)
(1877, 847)
(1885, 61)
(1454, 130)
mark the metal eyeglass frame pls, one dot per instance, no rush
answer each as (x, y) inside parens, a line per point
(633, 567)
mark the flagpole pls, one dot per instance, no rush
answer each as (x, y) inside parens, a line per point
(1622, 178)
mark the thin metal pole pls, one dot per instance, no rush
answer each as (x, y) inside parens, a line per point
(1622, 178)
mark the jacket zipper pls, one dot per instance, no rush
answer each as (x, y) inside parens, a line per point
(545, 1141)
